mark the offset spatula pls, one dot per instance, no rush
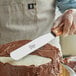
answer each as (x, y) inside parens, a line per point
(35, 44)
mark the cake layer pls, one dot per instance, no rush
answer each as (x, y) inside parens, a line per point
(43, 62)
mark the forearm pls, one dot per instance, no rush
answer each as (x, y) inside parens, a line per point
(66, 4)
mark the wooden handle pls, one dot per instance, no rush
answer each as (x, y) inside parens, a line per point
(58, 30)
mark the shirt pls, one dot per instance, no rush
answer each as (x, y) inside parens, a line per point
(66, 4)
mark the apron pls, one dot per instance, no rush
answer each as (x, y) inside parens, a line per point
(26, 19)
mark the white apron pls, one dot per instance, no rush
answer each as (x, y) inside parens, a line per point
(26, 19)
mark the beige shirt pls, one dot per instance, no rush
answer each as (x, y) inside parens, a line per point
(26, 19)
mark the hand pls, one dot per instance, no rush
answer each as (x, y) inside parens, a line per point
(67, 21)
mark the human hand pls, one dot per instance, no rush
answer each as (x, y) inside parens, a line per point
(67, 21)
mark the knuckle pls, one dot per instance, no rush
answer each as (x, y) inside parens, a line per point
(70, 11)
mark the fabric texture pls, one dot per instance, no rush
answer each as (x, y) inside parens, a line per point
(17, 22)
(66, 4)
(25, 19)
(29, 19)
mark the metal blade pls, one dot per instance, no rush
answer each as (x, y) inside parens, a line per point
(31, 46)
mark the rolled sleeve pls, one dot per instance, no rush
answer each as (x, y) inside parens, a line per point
(66, 4)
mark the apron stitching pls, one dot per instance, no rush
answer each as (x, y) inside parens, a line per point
(35, 17)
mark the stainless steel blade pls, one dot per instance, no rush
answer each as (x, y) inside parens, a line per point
(31, 46)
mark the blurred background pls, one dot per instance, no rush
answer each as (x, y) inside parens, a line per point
(68, 44)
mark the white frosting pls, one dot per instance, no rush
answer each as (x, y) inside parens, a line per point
(29, 60)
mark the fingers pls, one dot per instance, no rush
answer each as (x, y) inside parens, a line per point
(75, 32)
(72, 29)
(68, 20)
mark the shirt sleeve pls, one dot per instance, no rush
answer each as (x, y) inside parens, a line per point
(66, 4)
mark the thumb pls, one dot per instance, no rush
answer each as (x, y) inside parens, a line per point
(58, 30)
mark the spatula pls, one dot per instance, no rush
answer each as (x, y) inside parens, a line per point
(36, 44)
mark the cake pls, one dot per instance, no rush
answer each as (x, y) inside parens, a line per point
(71, 62)
(43, 62)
